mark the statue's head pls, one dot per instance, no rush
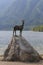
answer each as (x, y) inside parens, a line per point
(23, 22)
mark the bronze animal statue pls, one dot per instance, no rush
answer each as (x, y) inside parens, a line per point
(20, 28)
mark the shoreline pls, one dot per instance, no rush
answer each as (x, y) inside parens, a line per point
(20, 63)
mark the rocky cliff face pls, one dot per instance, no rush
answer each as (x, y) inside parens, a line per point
(20, 50)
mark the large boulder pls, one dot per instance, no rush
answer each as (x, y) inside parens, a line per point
(20, 50)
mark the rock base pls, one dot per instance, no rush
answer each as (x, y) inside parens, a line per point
(20, 50)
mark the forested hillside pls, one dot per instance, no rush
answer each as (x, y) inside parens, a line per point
(38, 28)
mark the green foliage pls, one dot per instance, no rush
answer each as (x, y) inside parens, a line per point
(38, 28)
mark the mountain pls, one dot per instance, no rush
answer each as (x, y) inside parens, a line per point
(13, 11)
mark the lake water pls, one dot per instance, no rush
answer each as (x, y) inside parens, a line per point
(34, 38)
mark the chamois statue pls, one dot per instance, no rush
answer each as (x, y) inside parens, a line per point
(20, 28)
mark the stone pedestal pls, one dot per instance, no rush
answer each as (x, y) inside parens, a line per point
(20, 50)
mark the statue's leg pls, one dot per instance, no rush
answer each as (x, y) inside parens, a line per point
(20, 33)
(15, 33)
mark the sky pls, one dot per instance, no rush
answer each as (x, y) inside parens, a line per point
(6, 1)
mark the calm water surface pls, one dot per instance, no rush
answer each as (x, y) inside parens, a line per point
(34, 38)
